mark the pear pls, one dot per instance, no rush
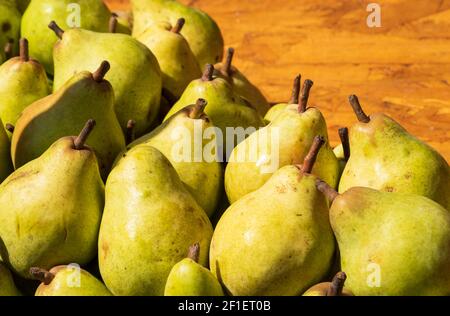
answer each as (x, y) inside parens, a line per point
(23, 81)
(277, 108)
(241, 84)
(7, 286)
(135, 74)
(87, 14)
(84, 96)
(188, 278)
(50, 208)
(67, 280)
(119, 24)
(6, 166)
(285, 141)
(333, 288)
(178, 64)
(201, 32)
(9, 26)
(202, 176)
(342, 151)
(387, 158)
(276, 240)
(149, 221)
(391, 243)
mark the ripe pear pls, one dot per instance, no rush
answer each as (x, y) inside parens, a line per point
(241, 85)
(6, 166)
(135, 74)
(84, 96)
(9, 26)
(276, 240)
(22, 81)
(178, 64)
(7, 286)
(333, 288)
(285, 141)
(120, 23)
(87, 14)
(277, 108)
(50, 208)
(391, 243)
(67, 280)
(188, 278)
(149, 221)
(342, 151)
(201, 32)
(202, 176)
(387, 158)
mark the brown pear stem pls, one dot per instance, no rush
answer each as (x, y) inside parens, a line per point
(328, 191)
(100, 73)
(304, 95)
(9, 50)
(354, 102)
(178, 26)
(295, 90)
(310, 158)
(42, 275)
(9, 127)
(194, 252)
(84, 134)
(131, 133)
(208, 73)
(24, 53)
(343, 134)
(112, 26)
(337, 284)
(55, 27)
(226, 68)
(198, 109)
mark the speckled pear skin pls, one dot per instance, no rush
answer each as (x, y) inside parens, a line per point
(321, 289)
(273, 112)
(408, 236)
(296, 134)
(384, 156)
(149, 222)
(94, 15)
(188, 278)
(50, 209)
(6, 166)
(63, 284)
(276, 240)
(7, 286)
(135, 74)
(10, 18)
(201, 31)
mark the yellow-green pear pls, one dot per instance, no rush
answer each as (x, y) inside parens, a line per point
(342, 151)
(6, 166)
(333, 288)
(120, 23)
(188, 278)
(7, 286)
(149, 222)
(10, 27)
(277, 108)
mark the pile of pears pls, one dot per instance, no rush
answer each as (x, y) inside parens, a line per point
(97, 109)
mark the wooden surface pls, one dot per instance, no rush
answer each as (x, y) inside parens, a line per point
(402, 68)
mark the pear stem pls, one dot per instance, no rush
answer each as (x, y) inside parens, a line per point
(100, 73)
(198, 109)
(328, 191)
(24, 53)
(112, 26)
(354, 102)
(8, 50)
(131, 133)
(208, 73)
(226, 68)
(343, 134)
(304, 96)
(9, 127)
(84, 134)
(178, 26)
(310, 158)
(295, 90)
(194, 252)
(337, 284)
(42, 275)
(55, 27)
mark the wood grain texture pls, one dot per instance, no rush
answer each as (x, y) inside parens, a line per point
(401, 68)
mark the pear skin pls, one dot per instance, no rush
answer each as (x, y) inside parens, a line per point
(10, 21)
(7, 286)
(6, 166)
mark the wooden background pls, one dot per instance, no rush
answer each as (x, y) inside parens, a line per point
(402, 68)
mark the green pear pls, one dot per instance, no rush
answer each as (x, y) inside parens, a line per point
(202, 176)
(241, 85)
(178, 64)
(333, 288)
(87, 14)
(9, 27)
(84, 96)
(277, 108)
(22, 81)
(135, 74)
(188, 278)
(67, 280)
(201, 32)
(149, 221)
(7, 286)
(276, 240)
(50, 208)
(342, 151)
(120, 23)
(391, 243)
(384, 156)
(285, 141)
(6, 166)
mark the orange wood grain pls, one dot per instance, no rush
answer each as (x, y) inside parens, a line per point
(402, 68)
